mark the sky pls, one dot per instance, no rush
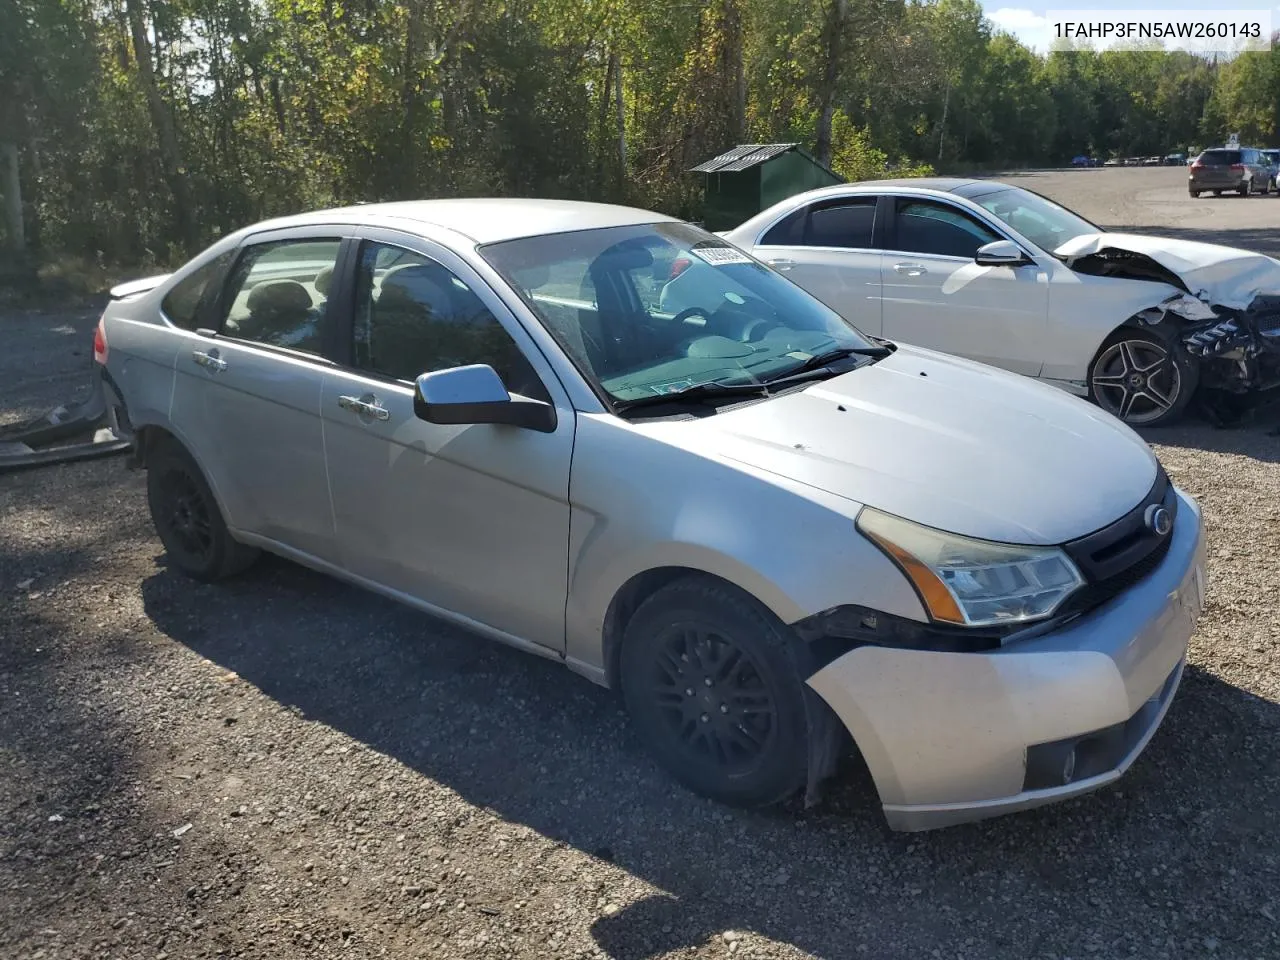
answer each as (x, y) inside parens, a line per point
(1025, 18)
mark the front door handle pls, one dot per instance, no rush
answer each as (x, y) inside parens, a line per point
(910, 269)
(210, 361)
(366, 406)
(781, 263)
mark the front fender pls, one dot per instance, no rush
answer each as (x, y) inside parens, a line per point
(641, 504)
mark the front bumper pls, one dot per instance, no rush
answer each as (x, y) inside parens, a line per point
(947, 736)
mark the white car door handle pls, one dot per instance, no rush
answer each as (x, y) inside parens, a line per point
(910, 269)
(781, 263)
(366, 406)
(209, 360)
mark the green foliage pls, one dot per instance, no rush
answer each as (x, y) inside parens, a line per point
(237, 110)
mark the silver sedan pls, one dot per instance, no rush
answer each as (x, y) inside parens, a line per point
(770, 531)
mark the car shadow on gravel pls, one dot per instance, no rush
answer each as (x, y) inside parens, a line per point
(1184, 847)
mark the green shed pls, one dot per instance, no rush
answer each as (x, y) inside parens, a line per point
(753, 176)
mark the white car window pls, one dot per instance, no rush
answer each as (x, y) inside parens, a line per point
(847, 223)
(938, 229)
(1043, 222)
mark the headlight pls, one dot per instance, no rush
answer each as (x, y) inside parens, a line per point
(974, 583)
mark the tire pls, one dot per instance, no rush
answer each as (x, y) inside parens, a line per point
(713, 683)
(1143, 377)
(1246, 188)
(187, 518)
(1195, 194)
(1217, 193)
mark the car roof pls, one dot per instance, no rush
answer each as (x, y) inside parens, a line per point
(959, 186)
(481, 219)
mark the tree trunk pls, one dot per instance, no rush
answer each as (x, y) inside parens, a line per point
(942, 132)
(620, 120)
(833, 43)
(11, 186)
(410, 93)
(602, 125)
(162, 118)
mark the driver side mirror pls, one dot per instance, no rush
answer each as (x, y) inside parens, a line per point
(1000, 253)
(476, 394)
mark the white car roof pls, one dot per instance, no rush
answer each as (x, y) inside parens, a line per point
(483, 219)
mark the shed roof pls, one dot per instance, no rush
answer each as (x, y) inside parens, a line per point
(743, 157)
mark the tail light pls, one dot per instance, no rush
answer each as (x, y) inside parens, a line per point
(1196, 164)
(1237, 168)
(100, 342)
(678, 266)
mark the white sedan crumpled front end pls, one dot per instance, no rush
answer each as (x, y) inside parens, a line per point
(952, 737)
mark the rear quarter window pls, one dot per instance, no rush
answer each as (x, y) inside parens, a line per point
(182, 305)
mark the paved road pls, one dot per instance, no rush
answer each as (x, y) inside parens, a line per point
(361, 781)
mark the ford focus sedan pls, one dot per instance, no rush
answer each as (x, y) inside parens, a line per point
(770, 531)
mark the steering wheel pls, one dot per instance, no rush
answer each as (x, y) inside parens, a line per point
(684, 315)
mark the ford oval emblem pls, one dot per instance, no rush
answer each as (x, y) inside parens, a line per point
(1158, 520)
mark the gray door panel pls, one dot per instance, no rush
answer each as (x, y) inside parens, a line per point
(253, 418)
(473, 518)
(250, 402)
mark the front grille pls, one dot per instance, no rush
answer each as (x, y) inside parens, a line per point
(1123, 553)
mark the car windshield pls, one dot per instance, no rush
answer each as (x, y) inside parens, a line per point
(1040, 220)
(662, 308)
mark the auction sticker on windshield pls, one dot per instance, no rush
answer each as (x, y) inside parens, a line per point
(718, 256)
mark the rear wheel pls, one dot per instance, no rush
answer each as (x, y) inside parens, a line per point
(1245, 188)
(187, 518)
(1195, 194)
(1142, 378)
(713, 685)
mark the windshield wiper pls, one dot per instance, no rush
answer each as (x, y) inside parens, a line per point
(818, 361)
(701, 391)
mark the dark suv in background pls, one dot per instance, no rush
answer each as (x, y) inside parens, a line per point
(1242, 170)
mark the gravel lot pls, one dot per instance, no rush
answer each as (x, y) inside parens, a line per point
(286, 767)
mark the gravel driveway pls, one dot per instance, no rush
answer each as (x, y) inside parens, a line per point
(286, 767)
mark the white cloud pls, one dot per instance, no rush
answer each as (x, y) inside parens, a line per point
(1015, 19)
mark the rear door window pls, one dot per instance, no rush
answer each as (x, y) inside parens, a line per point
(848, 223)
(278, 293)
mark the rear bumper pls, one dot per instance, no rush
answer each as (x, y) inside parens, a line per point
(1216, 182)
(954, 737)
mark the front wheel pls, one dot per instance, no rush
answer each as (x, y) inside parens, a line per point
(713, 685)
(1142, 378)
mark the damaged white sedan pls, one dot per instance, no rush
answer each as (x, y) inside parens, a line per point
(999, 274)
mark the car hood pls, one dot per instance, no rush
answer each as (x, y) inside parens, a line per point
(952, 444)
(1216, 274)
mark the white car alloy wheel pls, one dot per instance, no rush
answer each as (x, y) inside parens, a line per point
(1137, 380)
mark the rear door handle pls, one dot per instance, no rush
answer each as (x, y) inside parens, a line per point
(910, 269)
(366, 406)
(210, 361)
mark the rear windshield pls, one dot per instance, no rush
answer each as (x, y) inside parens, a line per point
(1220, 156)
